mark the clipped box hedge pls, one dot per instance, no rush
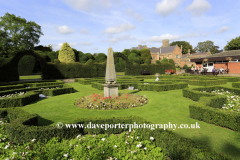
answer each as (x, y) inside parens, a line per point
(23, 128)
(162, 87)
(208, 107)
(32, 94)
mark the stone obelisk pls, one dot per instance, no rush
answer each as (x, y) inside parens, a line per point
(110, 86)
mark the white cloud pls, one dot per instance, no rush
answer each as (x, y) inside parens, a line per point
(223, 29)
(84, 31)
(73, 44)
(198, 7)
(121, 28)
(162, 37)
(167, 7)
(64, 30)
(57, 46)
(91, 5)
(86, 43)
(131, 13)
(120, 38)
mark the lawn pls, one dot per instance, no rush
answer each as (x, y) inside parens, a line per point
(30, 77)
(163, 107)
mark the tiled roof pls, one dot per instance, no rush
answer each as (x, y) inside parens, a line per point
(160, 50)
(195, 54)
(225, 54)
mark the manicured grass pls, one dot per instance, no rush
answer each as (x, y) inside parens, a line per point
(163, 107)
(30, 77)
(120, 73)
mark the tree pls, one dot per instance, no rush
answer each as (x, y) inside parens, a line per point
(205, 47)
(148, 61)
(164, 60)
(137, 52)
(66, 54)
(234, 44)
(126, 52)
(17, 34)
(101, 57)
(215, 49)
(132, 56)
(145, 54)
(185, 46)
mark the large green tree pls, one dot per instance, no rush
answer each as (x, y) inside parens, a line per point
(100, 57)
(234, 44)
(126, 52)
(17, 34)
(145, 54)
(205, 47)
(185, 46)
(66, 54)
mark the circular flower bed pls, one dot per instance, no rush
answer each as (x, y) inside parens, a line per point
(99, 102)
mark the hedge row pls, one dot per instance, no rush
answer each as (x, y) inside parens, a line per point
(207, 82)
(162, 87)
(236, 84)
(2, 88)
(32, 94)
(208, 107)
(205, 110)
(173, 145)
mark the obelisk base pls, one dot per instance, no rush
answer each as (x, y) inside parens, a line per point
(110, 90)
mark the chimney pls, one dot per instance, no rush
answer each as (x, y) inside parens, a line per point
(165, 43)
(188, 51)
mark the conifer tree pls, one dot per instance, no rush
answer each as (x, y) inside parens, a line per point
(66, 54)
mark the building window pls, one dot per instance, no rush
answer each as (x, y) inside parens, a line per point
(176, 56)
(153, 57)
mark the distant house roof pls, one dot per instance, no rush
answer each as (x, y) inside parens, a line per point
(195, 54)
(235, 54)
(169, 49)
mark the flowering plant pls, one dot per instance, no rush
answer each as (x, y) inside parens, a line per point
(99, 102)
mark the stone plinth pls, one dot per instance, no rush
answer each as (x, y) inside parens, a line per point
(110, 90)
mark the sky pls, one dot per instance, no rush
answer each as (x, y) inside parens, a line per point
(92, 26)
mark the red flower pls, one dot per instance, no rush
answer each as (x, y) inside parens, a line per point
(119, 102)
(98, 97)
(93, 93)
(94, 100)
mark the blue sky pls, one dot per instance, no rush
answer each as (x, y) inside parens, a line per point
(91, 26)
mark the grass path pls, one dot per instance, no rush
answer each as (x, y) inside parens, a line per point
(163, 107)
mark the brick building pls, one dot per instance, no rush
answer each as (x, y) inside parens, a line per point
(219, 60)
(165, 51)
(185, 59)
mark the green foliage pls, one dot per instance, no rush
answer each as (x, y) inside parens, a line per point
(26, 65)
(132, 56)
(42, 48)
(148, 61)
(126, 52)
(171, 61)
(185, 66)
(205, 47)
(234, 44)
(164, 60)
(17, 34)
(145, 54)
(185, 46)
(158, 62)
(136, 60)
(66, 54)
(101, 57)
(137, 52)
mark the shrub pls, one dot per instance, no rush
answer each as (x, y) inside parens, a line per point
(66, 54)
(56, 61)
(148, 61)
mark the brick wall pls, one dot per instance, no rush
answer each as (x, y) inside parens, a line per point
(234, 67)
